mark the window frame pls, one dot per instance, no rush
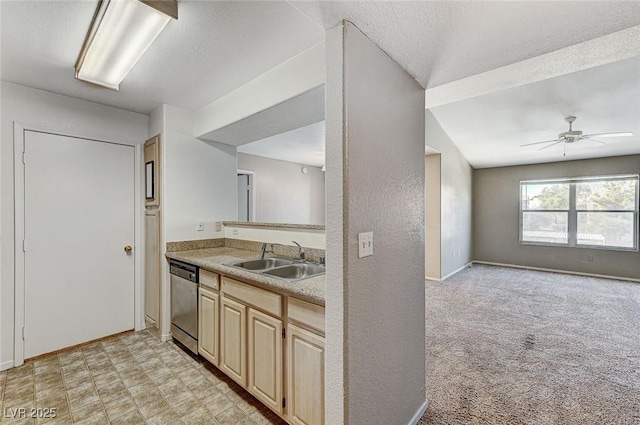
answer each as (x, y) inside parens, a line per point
(573, 211)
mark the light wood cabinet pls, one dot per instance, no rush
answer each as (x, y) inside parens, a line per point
(265, 359)
(270, 344)
(208, 326)
(233, 336)
(305, 376)
(152, 265)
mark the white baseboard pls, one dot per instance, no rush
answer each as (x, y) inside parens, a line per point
(165, 338)
(456, 271)
(419, 413)
(6, 365)
(435, 279)
(515, 266)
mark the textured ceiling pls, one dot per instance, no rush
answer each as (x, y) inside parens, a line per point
(217, 46)
(489, 129)
(443, 41)
(213, 48)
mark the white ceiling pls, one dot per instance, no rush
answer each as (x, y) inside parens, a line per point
(304, 145)
(299, 111)
(213, 48)
(217, 46)
(443, 41)
(489, 129)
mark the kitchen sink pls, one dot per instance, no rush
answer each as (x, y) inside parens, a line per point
(297, 271)
(280, 268)
(262, 264)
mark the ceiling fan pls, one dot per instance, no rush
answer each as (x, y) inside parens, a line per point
(573, 136)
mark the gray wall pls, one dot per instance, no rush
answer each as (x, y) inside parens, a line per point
(456, 199)
(380, 149)
(432, 218)
(496, 194)
(283, 193)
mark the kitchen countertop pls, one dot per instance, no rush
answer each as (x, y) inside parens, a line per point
(214, 259)
(274, 225)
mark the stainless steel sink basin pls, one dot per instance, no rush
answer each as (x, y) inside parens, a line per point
(266, 263)
(297, 271)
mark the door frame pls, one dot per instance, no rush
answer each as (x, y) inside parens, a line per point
(252, 189)
(19, 129)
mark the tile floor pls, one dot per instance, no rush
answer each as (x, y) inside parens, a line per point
(131, 378)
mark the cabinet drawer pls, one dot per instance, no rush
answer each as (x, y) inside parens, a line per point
(209, 279)
(263, 300)
(306, 314)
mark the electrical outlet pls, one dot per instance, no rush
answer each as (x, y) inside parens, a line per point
(200, 225)
(589, 258)
(235, 232)
(365, 244)
(218, 226)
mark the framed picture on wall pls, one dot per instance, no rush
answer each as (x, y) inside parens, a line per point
(149, 186)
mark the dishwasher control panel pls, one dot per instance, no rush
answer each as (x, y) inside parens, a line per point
(184, 270)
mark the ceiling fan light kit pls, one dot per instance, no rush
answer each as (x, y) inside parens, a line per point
(120, 32)
(573, 136)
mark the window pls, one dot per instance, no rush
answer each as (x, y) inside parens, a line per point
(594, 212)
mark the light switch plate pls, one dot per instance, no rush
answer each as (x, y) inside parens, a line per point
(218, 226)
(200, 226)
(365, 244)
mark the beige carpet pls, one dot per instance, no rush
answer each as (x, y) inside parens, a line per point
(510, 346)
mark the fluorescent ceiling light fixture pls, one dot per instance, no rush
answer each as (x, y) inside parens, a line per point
(120, 33)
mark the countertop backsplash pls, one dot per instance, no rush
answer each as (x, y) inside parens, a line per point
(311, 254)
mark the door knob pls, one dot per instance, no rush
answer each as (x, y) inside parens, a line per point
(127, 249)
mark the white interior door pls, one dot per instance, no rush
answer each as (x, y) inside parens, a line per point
(78, 217)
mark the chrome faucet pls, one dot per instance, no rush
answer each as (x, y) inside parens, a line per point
(300, 250)
(264, 250)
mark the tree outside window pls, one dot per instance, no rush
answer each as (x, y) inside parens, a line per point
(595, 212)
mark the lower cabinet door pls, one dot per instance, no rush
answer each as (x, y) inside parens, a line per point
(305, 377)
(233, 336)
(265, 359)
(208, 308)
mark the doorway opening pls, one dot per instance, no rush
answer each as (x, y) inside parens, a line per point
(246, 196)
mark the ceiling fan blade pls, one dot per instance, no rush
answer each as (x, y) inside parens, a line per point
(594, 140)
(539, 143)
(553, 144)
(623, 134)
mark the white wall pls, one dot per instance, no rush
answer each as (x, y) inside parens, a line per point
(198, 182)
(455, 199)
(294, 77)
(305, 237)
(380, 148)
(283, 193)
(31, 107)
(433, 220)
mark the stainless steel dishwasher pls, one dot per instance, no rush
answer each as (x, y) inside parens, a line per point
(184, 304)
